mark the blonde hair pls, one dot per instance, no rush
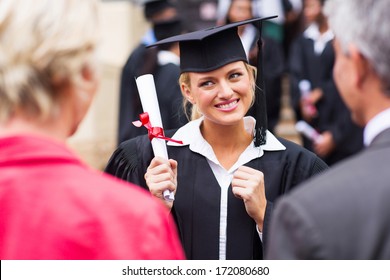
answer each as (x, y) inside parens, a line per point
(43, 45)
(194, 112)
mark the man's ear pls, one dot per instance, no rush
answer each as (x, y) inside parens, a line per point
(361, 65)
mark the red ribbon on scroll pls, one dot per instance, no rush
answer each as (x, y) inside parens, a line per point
(153, 132)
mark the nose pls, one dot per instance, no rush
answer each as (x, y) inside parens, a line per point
(225, 91)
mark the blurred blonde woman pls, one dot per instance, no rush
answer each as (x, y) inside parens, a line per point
(52, 206)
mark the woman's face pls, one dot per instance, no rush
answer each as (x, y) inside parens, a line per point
(224, 95)
(312, 10)
(240, 10)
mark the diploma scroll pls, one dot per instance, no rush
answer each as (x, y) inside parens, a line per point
(308, 131)
(148, 96)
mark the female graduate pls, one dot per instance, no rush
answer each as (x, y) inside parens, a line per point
(225, 183)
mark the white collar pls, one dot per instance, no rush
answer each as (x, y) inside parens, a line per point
(320, 40)
(166, 57)
(376, 125)
(190, 134)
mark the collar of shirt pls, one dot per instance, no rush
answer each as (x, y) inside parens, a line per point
(190, 135)
(376, 125)
(320, 40)
(166, 57)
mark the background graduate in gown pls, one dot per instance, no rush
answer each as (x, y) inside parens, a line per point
(157, 12)
(312, 59)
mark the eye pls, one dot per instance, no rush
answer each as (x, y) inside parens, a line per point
(206, 84)
(235, 75)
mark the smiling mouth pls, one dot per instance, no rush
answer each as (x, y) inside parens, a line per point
(228, 105)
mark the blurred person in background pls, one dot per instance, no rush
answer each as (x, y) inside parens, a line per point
(163, 63)
(344, 212)
(282, 29)
(53, 206)
(311, 62)
(155, 11)
(286, 10)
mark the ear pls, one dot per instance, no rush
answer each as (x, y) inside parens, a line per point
(360, 65)
(187, 93)
(89, 77)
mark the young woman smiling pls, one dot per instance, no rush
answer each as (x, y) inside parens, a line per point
(224, 184)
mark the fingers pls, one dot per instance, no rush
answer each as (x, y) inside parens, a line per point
(161, 175)
(160, 166)
(248, 184)
(246, 180)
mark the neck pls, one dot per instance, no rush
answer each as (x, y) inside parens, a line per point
(228, 142)
(226, 135)
(322, 24)
(378, 103)
(56, 128)
(240, 30)
(175, 49)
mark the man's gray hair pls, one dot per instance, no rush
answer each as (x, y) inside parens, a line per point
(365, 24)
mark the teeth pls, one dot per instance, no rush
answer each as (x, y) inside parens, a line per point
(226, 106)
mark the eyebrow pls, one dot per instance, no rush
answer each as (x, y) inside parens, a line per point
(235, 69)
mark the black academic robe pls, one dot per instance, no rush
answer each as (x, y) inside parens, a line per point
(197, 202)
(333, 115)
(129, 101)
(170, 99)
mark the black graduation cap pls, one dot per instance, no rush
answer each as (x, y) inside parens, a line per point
(152, 7)
(209, 49)
(167, 28)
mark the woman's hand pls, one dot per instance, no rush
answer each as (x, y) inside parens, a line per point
(161, 175)
(325, 145)
(248, 184)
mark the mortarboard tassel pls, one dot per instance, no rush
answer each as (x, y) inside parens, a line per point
(260, 108)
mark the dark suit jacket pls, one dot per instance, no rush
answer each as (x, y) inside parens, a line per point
(342, 214)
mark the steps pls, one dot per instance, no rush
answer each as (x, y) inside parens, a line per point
(286, 126)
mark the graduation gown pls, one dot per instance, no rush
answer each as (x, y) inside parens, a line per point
(197, 202)
(129, 101)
